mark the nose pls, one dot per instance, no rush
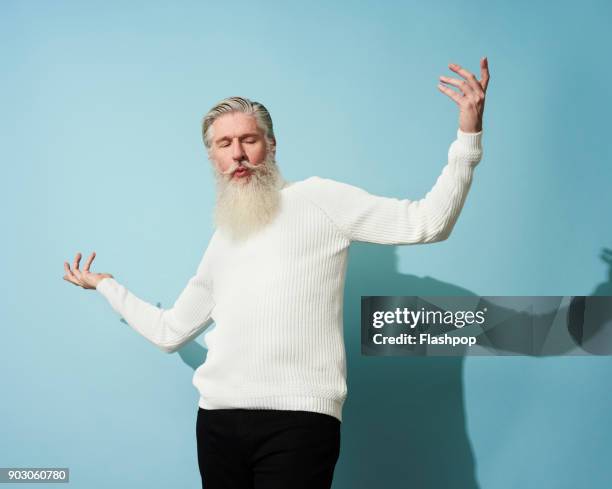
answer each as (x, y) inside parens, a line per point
(238, 153)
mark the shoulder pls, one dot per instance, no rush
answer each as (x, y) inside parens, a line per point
(321, 194)
(211, 251)
(319, 187)
(337, 200)
(306, 183)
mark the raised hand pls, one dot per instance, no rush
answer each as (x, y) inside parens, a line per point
(83, 278)
(471, 101)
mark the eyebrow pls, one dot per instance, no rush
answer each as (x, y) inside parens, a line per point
(246, 135)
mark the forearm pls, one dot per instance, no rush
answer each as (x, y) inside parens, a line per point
(168, 329)
(444, 202)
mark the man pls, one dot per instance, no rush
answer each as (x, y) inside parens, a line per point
(274, 381)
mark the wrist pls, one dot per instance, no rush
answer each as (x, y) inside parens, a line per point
(97, 285)
(469, 145)
(471, 130)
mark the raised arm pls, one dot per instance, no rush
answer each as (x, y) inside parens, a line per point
(361, 216)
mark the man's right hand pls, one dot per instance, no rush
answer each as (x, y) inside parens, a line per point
(84, 278)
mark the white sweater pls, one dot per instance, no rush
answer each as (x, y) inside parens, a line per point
(277, 297)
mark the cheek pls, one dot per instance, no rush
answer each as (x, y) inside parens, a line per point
(258, 153)
(221, 163)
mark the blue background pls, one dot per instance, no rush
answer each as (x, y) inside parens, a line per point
(101, 150)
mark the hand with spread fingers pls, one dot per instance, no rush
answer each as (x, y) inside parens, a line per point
(84, 278)
(471, 102)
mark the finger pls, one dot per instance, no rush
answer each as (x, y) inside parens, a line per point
(77, 259)
(469, 77)
(68, 279)
(461, 84)
(450, 92)
(484, 73)
(89, 261)
(67, 270)
(69, 275)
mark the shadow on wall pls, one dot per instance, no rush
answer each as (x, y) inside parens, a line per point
(404, 421)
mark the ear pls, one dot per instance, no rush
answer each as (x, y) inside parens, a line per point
(272, 143)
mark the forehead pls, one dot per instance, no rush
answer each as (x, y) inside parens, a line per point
(234, 124)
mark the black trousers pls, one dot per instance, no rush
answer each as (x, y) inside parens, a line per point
(266, 449)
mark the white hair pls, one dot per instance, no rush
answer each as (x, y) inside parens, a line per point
(238, 104)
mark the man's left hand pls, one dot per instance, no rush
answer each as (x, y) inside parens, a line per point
(471, 101)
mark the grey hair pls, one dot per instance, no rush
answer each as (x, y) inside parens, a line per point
(238, 104)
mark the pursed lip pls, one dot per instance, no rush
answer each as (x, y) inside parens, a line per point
(241, 172)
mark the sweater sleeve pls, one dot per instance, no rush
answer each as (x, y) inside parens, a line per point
(168, 329)
(361, 216)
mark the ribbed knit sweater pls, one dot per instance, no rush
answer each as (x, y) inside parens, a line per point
(276, 298)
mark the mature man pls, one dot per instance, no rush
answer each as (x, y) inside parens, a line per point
(273, 384)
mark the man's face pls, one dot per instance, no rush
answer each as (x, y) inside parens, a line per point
(237, 143)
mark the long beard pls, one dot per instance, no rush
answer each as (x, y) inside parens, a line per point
(245, 207)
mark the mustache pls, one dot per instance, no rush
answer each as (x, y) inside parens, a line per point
(238, 164)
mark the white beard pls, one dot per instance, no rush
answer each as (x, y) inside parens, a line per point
(245, 207)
